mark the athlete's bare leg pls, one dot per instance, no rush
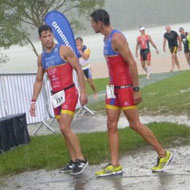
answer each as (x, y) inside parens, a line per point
(69, 147)
(148, 69)
(133, 118)
(71, 139)
(113, 136)
(177, 62)
(187, 55)
(144, 66)
(93, 87)
(173, 63)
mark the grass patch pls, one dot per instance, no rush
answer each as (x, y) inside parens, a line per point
(99, 83)
(49, 152)
(169, 96)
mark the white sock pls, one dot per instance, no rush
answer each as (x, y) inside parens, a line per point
(148, 70)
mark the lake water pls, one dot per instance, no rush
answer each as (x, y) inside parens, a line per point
(23, 60)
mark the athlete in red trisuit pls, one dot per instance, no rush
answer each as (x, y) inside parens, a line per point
(122, 94)
(145, 56)
(59, 61)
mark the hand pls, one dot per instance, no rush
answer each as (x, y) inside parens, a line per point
(83, 99)
(79, 48)
(137, 97)
(33, 109)
(180, 49)
(157, 51)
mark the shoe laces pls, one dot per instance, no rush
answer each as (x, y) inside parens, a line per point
(106, 166)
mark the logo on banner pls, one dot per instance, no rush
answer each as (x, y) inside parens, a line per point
(60, 32)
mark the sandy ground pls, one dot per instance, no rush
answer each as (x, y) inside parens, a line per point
(160, 63)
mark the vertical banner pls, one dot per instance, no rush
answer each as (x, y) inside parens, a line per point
(61, 29)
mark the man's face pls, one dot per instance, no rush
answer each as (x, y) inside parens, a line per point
(181, 31)
(47, 39)
(95, 25)
(168, 29)
(79, 44)
(142, 31)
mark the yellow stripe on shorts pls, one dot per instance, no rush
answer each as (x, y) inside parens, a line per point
(67, 112)
(129, 108)
(112, 107)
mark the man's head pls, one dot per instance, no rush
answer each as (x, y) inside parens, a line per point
(79, 42)
(99, 19)
(142, 29)
(168, 28)
(46, 36)
(181, 30)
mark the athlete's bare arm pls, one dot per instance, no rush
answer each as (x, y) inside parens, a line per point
(137, 47)
(153, 44)
(68, 55)
(164, 44)
(37, 86)
(84, 55)
(179, 40)
(120, 45)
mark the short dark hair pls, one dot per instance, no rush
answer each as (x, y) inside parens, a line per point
(79, 38)
(43, 28)
(102, 16)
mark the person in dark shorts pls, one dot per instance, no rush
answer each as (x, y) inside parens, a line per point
(183, 36)
(84, 54)
(145, 56)
(172, 37)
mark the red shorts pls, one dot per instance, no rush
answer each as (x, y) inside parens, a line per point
(123, 99)
(68, 107)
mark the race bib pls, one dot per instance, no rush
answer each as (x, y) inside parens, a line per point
(110, 91)
(58, 98)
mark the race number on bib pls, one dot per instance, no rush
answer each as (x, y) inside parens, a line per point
(58, 98)
(110, 91)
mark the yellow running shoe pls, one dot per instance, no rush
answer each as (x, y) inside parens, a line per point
(163, 162)
(109, 170)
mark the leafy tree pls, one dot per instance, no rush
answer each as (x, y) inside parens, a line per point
(17, 16)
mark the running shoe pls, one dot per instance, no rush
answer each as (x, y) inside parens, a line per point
(163, 162)
(110, 170)
(68, 168)
(79, 167)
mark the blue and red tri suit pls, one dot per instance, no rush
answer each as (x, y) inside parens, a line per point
(119, 77)
(60, 75)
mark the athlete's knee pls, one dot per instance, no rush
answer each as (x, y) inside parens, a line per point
(65, 129)
(90, 81)
(135, 125)
(112, 125)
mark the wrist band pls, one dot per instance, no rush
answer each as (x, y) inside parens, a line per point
(33, 101)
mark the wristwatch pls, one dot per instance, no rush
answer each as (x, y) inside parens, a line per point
(136, 89)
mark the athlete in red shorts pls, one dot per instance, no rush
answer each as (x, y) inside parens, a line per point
(145, 55)
(122, 93)
(58, 62)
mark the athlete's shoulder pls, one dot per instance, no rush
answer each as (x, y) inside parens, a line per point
(174, 32)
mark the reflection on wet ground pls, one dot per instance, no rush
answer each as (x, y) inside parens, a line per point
(137, 175)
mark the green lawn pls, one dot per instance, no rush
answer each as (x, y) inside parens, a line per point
(168, 96)
(49, 152)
